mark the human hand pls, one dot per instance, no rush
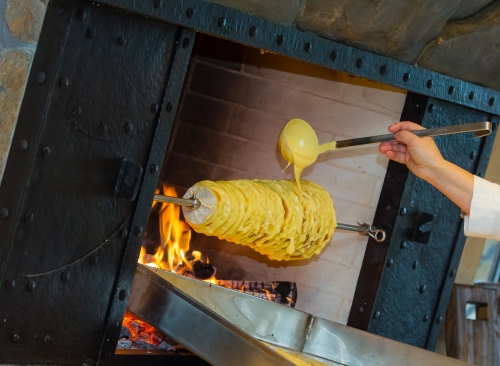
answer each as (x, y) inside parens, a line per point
(420, 154)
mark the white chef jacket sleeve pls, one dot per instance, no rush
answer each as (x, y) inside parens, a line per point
(484, 218)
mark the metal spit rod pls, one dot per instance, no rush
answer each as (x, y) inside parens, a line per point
(361, 228)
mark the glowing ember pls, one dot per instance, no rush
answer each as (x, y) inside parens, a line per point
(137, 334)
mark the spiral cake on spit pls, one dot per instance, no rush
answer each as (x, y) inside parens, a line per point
(269, 216)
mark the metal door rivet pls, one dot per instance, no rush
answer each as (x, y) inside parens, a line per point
(169, 107)
(15, 338)
(41, 77)
(129, 128)
(359, 63)
(64, 83)
(222, 22)
(153, 169)
(491, 101)
(279, 40)
(23, 145)
(138, 231)
(124, 234)
(426, 318)
(439, 320)
(453, 272)
(4, 213)
(31, 286)
(451, 89)
(403, 211)
(122, 295)
(390, 262)
(157, 4)
(471, 95)
(59, 10)
(333, 55)
(429, 84)
(376, 315)
(252, 31)
(65, 276)
(102, 129)
(430, 108)
(383, 69)
(76, 111)
(186, 42)
(46, 339)
(423, 288)
(190, 13)
(10, 285)
(154, 108)
(406, 77)
(307, 47)
(29, 217)
(404, 245)
(415, 265)
(93, 259)
(414, 104)
(81, 15)
(46, 151)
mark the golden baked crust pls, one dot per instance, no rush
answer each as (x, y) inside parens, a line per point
(267, 215)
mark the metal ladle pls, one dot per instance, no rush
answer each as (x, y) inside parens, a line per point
(362, 228)
(299, 144)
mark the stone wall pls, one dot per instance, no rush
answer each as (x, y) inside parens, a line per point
(20, 24)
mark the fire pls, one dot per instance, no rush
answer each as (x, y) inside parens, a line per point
(173, 252)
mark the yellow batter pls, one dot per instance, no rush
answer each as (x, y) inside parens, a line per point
(269, 216)
(299, 146)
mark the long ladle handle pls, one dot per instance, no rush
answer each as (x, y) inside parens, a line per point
(480, 129)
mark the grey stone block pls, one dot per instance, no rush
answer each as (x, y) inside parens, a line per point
(468, 49)
(395, 28)
(468, 8)
(25, 18)
(14, 66)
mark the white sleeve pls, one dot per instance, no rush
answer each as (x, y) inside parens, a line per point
(484, 218)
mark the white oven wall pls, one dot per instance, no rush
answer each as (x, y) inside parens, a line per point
(235, 102)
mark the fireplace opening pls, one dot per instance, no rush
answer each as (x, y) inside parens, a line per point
(234, 103)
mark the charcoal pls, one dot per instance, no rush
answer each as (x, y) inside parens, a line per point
(124, 344)
(125, 333)
(140, 344)
(166, 347)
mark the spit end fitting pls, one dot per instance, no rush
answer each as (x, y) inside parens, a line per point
(370, 230)
(196, 202)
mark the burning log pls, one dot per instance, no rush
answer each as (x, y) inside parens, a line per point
(281, 292)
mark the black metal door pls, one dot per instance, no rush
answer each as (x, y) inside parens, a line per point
(93, 129)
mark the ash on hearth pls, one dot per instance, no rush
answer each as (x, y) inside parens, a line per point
(137, 334)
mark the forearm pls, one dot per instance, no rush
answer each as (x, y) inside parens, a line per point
(454, 182)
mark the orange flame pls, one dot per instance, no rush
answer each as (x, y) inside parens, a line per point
(268, 294)
(175, 237)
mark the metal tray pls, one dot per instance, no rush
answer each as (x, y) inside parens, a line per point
(222, 325)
